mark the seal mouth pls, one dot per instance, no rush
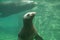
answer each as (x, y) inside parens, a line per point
(33, 14)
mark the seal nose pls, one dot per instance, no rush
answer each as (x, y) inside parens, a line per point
(32, 13)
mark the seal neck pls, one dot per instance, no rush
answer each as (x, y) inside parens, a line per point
(28, 23)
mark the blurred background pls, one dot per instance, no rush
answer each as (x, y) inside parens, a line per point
(47, 20)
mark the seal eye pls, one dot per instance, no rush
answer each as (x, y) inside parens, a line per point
(28, 14)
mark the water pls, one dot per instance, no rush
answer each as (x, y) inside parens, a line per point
(47, 21)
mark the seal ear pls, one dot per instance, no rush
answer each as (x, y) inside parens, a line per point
(37, 37)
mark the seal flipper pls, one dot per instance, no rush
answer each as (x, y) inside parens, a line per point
(37, 37)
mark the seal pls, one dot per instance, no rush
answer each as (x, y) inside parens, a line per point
(28, 31)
